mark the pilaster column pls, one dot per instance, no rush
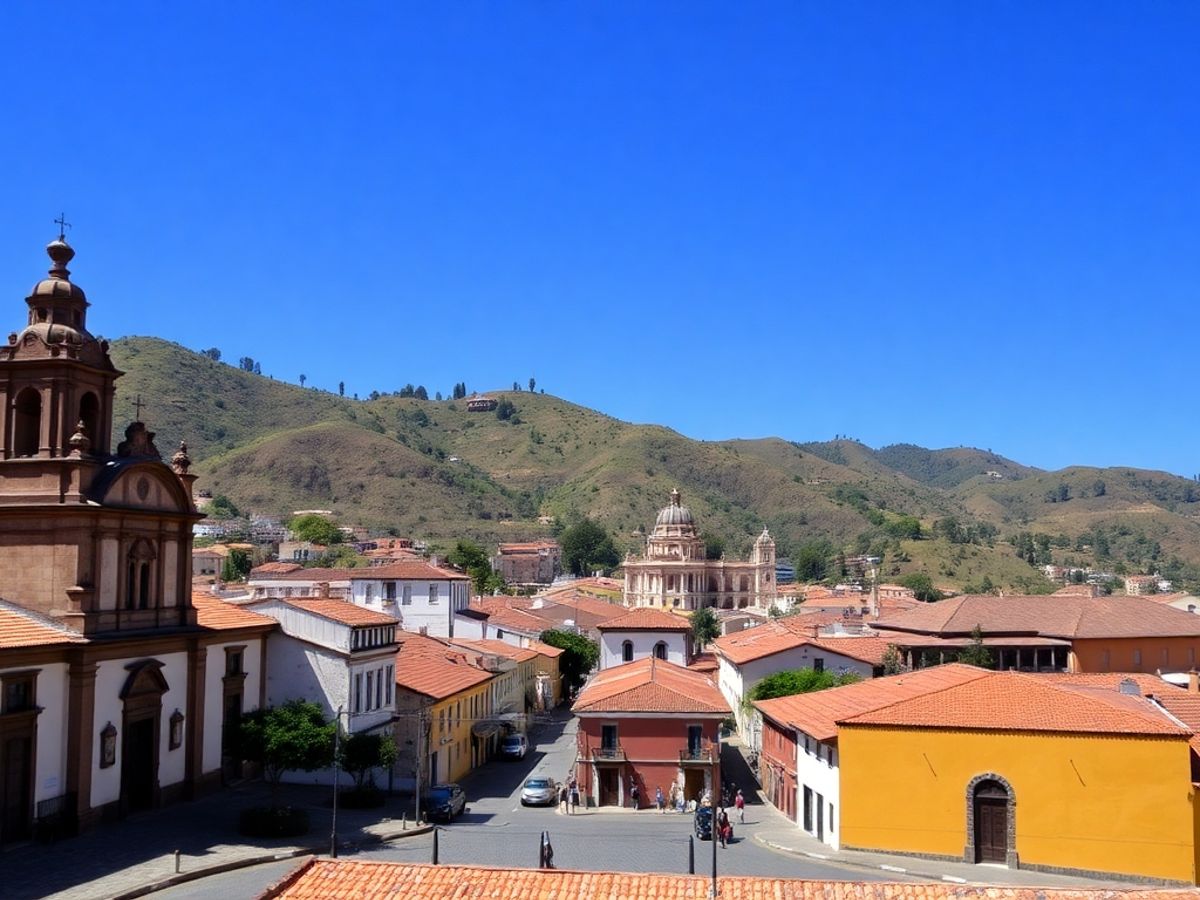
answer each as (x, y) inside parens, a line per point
(82, 734)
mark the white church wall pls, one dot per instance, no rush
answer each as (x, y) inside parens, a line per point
(214, 694)
(171, 763)
(110, 678)
(644, 642)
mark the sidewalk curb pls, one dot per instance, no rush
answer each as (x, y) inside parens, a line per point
(834, 858)
(247, 862)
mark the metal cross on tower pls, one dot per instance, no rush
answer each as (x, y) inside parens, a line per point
(62, 224)
(137, 406)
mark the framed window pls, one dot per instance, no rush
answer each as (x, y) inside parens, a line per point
(406, 595)
(391, 679)
(391, 590)
(370, 686)
(379, 689)
(660, 650)
(18, 693)
(433, 595)
(233, 661)
(358, 692)
(818, 664)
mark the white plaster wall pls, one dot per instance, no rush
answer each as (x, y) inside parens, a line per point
(214, 671)
(814, 770)
(172, 763)
(50, 773)
(643, 646)
(469, 629)
(297, 670)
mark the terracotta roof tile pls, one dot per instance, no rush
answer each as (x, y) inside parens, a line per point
(342, 611)
(651, 685)
(704, 662)
(20, 627)
(407, 570)
(275, 568)
(1050, 616)
(302, 574)
(756, 643)
(645, 618)
(1016, 701)
(213, 612)
(325, 879)
(496, 648)
(545, 649)
(432, 667)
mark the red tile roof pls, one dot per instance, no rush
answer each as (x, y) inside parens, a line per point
(651, 685)
(326, 879)
(431, 667)
(646, 619)
(1070, 617)
(703, 662)
(755, 643)
(213, 612)
(342, 611)
(1016, 701)
(496, 648)
(23, 628)
(545, 649)
(274, 568)
(818, 713)
(302, 574)
(407, 570)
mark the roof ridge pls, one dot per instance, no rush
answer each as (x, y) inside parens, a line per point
(982, 673)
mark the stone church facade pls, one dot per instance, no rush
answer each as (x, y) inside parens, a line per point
(675, 573)
(118, 689)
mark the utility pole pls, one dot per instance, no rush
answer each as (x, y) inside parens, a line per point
(337, 749)
(713, 818)
(419, 744)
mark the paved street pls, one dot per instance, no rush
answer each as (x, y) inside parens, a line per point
(496, 830)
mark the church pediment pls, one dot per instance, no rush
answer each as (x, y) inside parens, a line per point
(140, 483)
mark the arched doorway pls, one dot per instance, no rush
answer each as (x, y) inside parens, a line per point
(89, 415)
(991, 825)
(141, 721)
(27, 423)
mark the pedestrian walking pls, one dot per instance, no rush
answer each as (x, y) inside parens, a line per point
(574, 796)
(724, 829)
(633, 795)
(659, 800)
(563, 796)
(739, 803)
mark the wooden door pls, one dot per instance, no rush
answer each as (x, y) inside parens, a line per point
(16, 757)
(138, 775)
(991, 830)
(610, 794)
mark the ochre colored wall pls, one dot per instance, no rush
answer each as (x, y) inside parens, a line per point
(1171, 654)
(450, 722)
(1093, 802)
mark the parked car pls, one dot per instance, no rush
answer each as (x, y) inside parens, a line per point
(444, 802)
(539, 792)
(515, 746)
(703, 822)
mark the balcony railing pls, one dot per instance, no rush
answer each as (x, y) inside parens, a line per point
(608, 754)
(697, 756)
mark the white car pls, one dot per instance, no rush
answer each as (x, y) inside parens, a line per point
(515, 746)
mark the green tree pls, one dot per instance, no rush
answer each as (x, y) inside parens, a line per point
(505, 410)
(812, 561)
(293, 737)
(212, 353)
(237, 566)
(922, 586)
(420, 393)
(587, 547)
(714, 545)
(579, 657)
(222, 507)
(532, 384)
(364, 752)
(705, 627)
(798, 681)
(904, 528)
(473, 560)
(975, 653)
(341, 389)
(303, 378)
(893, 662)
(316, 529)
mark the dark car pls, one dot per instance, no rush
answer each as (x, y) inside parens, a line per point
(702, 824)
(444, 802)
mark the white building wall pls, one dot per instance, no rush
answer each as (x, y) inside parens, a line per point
(469, 629)
(214, 712)
(299, 670)
(644, 642)
(817, 769)
(50, 773)
(437, 617)
(111, 675)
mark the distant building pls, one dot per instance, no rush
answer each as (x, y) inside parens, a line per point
(422, 596)
(676, 573)
(530, 563)
(645, 632)
(482, 404)
(278, 580)
(1136, 585)
(301, 551)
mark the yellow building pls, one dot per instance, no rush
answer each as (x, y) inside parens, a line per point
(1076, 773)
(441, 694)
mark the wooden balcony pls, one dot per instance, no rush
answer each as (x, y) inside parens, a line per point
(608, 755)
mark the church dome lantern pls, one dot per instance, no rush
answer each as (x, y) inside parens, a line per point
(676, 514)
(57, 307)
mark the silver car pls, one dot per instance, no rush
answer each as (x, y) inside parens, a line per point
(539, 792)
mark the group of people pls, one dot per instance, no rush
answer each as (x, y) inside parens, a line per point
(568, 796)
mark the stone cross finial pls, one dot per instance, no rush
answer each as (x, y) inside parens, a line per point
(137, 406)
(63, 225)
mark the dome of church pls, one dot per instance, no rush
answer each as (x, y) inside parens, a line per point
(57, 308)
(675, 514)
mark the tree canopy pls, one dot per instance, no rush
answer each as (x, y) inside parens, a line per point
(705, 627)
(580, 655)
(363, 752)
(294, 736)
(472, 559)
(799, 681)
(975, 653)
(316, 529)
(587, 547)
(921, 585)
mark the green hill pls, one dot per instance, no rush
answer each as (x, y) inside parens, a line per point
(437, 471)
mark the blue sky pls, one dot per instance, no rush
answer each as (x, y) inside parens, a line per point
(941, 223)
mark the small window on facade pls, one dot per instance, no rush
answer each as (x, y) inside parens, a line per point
(818, 664)
(433, 594)
(406, 597)
(379, 689)
(627, 651)
(391, 590)
(660, 649)
(358, 692)
(370, 686)
(391, 679)
(18, 693)
(233, 662)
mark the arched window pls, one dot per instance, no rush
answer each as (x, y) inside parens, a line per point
(139, 576)
(27, 423)
(627, 651)
(660, 649)
(89, 415)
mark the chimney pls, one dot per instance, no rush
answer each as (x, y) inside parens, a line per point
(1193, 682)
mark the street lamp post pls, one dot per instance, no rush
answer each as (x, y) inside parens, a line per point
(337, 749)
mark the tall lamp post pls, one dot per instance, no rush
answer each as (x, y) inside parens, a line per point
(337, 750)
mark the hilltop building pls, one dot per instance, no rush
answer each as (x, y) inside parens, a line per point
(529, 563)
(675, 572)
(118, 688)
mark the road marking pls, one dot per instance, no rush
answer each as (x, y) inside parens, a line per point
(814, 855)
(955, 879)
(893, 868)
